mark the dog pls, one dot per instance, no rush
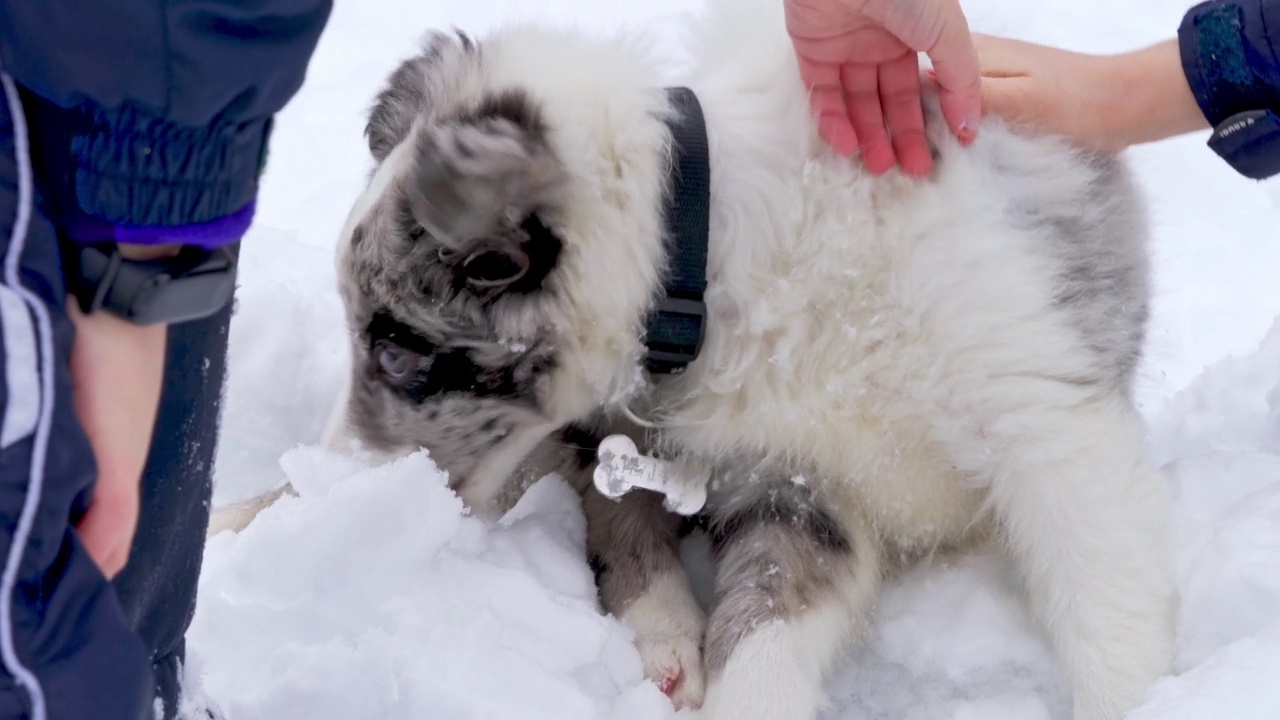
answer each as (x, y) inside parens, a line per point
(889, 367)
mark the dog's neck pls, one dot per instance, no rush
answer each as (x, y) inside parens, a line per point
(676, 324)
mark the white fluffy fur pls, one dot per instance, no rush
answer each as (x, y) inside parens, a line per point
(669, 623)
(776, 672)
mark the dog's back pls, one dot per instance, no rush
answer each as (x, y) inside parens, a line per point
(854, 319)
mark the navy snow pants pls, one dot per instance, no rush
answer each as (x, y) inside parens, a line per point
(72, 645)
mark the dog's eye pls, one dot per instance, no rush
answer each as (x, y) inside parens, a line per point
(492, 268)
(397, 363)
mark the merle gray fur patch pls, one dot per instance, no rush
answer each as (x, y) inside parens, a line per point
(480, 179)
(1104, 282)
(443, 271)
(410, 91)
(779, 551)
(631, 542)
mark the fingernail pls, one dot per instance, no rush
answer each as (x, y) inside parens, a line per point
(969, 128)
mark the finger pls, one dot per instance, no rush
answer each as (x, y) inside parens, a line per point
(955, 62)
(106, 533)
(862, 98)
(826, 101)
(900, 97)
(107, 538)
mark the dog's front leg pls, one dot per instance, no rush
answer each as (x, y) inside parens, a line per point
(796, 577)
(633, 546)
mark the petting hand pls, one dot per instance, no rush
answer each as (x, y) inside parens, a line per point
(860, 58)
(116, 372)
(1100, 103)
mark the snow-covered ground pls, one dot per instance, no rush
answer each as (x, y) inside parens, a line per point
(373, 596)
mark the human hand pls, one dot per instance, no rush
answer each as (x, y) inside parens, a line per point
(116, 372)
(1102, 103)
(860, 58)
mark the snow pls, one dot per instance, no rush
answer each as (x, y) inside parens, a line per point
(380, 599)
(372, 595)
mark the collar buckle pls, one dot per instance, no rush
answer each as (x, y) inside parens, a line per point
(676, 332)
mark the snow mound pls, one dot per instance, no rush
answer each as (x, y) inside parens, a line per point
(1241, 682)
(374, 595)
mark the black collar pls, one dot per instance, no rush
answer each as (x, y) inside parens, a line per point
(676, 327)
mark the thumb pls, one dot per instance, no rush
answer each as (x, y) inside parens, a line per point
(941, 31)
(955, 64)
(106, 531)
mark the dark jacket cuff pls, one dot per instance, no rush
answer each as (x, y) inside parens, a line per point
(1232, 67)
(1229, 56)
(132, 169)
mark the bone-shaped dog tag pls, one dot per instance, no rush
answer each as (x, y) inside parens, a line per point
(622, 467)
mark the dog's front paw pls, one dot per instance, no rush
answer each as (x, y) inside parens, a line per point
(668, 625)
(674, 664)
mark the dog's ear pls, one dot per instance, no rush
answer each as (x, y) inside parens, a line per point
(480, 188)
(413, 89)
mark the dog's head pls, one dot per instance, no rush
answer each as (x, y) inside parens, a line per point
(498, 267)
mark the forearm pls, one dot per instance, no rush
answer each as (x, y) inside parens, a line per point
(1154, 99)
(1222, 71)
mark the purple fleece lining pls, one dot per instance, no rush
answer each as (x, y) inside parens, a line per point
(89, 230)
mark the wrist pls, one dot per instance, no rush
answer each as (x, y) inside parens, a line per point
(1152, 98)
(151, 284)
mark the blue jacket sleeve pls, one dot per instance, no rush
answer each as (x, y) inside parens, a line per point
(148, 113)
(1230, 56)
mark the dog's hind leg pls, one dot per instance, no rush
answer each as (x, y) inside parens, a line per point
(1087, 520)
(633, 547)
(795, 580)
